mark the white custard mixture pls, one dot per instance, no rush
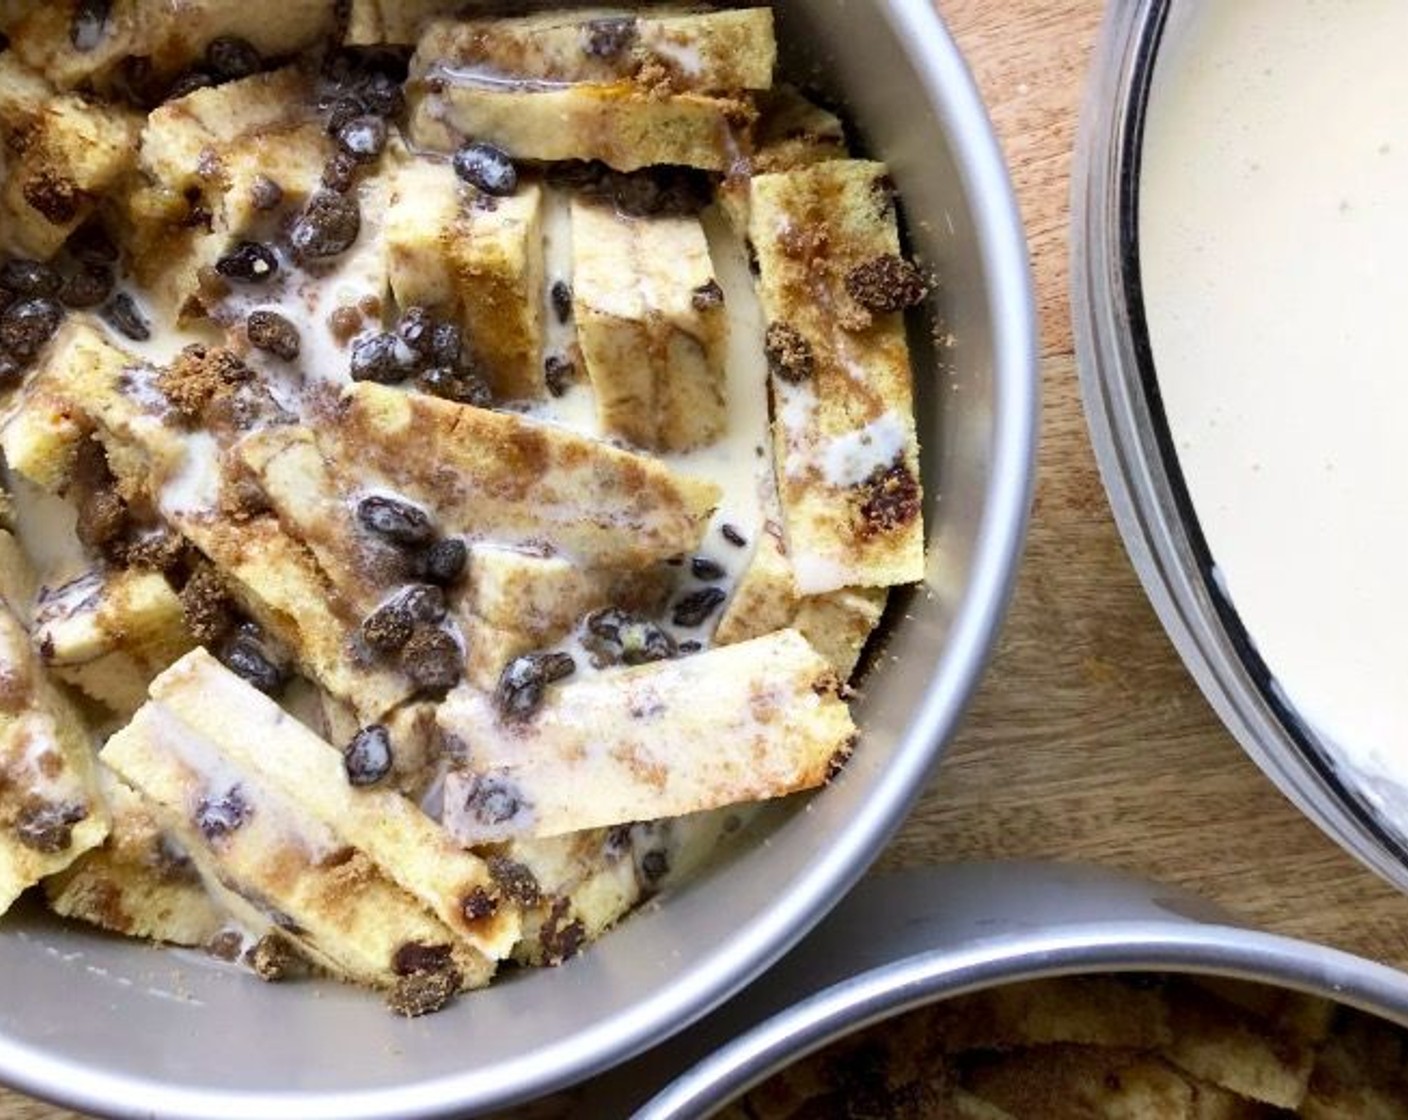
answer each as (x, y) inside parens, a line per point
(1274, 250)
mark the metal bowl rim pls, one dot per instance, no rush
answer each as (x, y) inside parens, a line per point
(927, 977)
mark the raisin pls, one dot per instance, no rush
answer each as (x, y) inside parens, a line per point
(362, 138)
(446, 345)
(89, 24)
(265, 194)
(789, 353)
(382, 95)
(423, 993)
(707, 296)
(892, 499)
(27, 325)
(493, 801)
(271, 958)
(655, 865)
(515, 880)
(90, 244)
(886, 284)
(562, 301)
(455, 385)
(559, 373)
(733, 536)
(367, 758)
(413, 957)
(561, 941)
(706, 569)
(445, 561)
(231, 58)
(343, 111)
(268, 330)
(218, 817)
(48, 828)
(432, 659)
(615, 635)
(383, 358)
(188, 83)
(227, 945)
(249, 263)
(524, 680)
(695, 608)
(388, 628)
(339, 173)
(122, 315)
(328, 226)
(424, 602)
(487, 167)
(608, 38)
(416, 329)
(395, 520)
(28, 278)
(665, 191)
(87, 286)
(245, 656)
(478, 905)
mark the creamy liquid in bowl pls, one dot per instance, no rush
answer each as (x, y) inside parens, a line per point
(1274, 255)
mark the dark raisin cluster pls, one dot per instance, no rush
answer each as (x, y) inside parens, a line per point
(407, 626)
(36, 295)
(618, 637)
(524, 682)
(227, 59)
(423, 349)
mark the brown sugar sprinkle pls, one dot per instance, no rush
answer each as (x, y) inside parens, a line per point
(886, 284)
(423, 993)
(891, 500)
(199, 377)
(272, 958)
(161, 551)
(207, 604)
(789, 353)
(515, 880)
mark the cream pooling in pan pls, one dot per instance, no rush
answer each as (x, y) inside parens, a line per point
(1273, 242)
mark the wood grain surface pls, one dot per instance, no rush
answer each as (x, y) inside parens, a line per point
(1088, 740)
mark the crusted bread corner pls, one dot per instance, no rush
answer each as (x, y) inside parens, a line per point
(329, 899)
(64, 153)
(139, 883)
(409, 848)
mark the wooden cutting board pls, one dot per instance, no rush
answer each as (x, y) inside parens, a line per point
(1088, 740)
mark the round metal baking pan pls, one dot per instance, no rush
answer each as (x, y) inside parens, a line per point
(903, 941)
(119, 1029)
(1139, 464)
